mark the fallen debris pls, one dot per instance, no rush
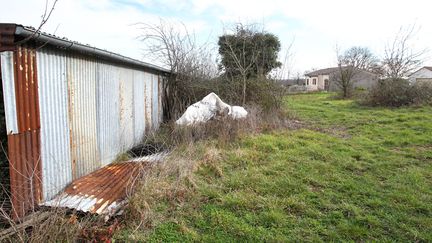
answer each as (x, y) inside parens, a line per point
(210, 107)
(26, 222)
(102, 192)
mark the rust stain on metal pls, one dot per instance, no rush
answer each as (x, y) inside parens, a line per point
(25, 171)
(70, 112)
(102, 191)
(24, 147)
(26, 89)
(160, 98)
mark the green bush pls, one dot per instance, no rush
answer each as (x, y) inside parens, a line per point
(399, 92)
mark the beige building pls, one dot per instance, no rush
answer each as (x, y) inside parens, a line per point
(424, 74)
(324, 79)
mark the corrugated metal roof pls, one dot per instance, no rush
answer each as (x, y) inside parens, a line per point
(104, 191)
(84, 49)
(6, 43)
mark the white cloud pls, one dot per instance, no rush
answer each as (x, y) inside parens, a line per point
(316, 25)
(346, 23)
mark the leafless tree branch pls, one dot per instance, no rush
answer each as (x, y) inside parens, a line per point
(45, 17)
(400, 58)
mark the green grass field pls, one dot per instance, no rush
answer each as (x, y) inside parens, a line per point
(351, 173)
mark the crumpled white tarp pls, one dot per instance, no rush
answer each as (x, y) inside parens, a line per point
(209, 107)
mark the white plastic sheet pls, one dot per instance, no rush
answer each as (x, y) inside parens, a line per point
(209, 107)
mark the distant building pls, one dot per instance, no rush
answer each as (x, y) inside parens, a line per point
(424, 74)
(324, 79)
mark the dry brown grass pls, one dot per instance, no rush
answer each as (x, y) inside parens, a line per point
(160, 189)
(50, 225)
(167, 185)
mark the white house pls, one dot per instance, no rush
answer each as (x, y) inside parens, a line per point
(319, 79)
(424, 74)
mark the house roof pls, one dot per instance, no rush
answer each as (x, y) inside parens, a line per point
(324, 71)
(425, 67)
(327, 71)
(12, 34)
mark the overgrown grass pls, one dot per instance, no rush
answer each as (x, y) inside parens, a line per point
(352, 173)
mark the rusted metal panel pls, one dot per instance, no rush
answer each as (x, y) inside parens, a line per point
(8, 82)
(108, 110)
(81, 75)
(55, 136)
(7, 37)
(139, 104)
(148, 101)
(127, 135)
(160, 98)
(26, 89)
(102, 191)
(25, 171)
(24, 143)
(155, 102)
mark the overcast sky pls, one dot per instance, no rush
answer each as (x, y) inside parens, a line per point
(316, 26)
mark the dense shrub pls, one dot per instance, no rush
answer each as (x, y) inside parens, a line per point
(264, 93)
(399, 92)
(293, 89)
(222, 129)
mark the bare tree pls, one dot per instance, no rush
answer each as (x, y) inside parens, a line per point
(44, 19)
(400, 58)
(350, 63)
(190, 63)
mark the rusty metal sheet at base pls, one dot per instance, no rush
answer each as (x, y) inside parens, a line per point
(25, 171)
(101, 192)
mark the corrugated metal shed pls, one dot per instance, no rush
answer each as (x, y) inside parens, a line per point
(70, 109)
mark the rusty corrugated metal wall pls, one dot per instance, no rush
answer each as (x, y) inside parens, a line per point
(68, 115)
(81, 79)
(19, 77)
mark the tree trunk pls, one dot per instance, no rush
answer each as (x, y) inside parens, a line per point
(244, 90)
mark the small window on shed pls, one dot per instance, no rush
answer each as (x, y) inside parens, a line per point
(314, 81)
(307, 81)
